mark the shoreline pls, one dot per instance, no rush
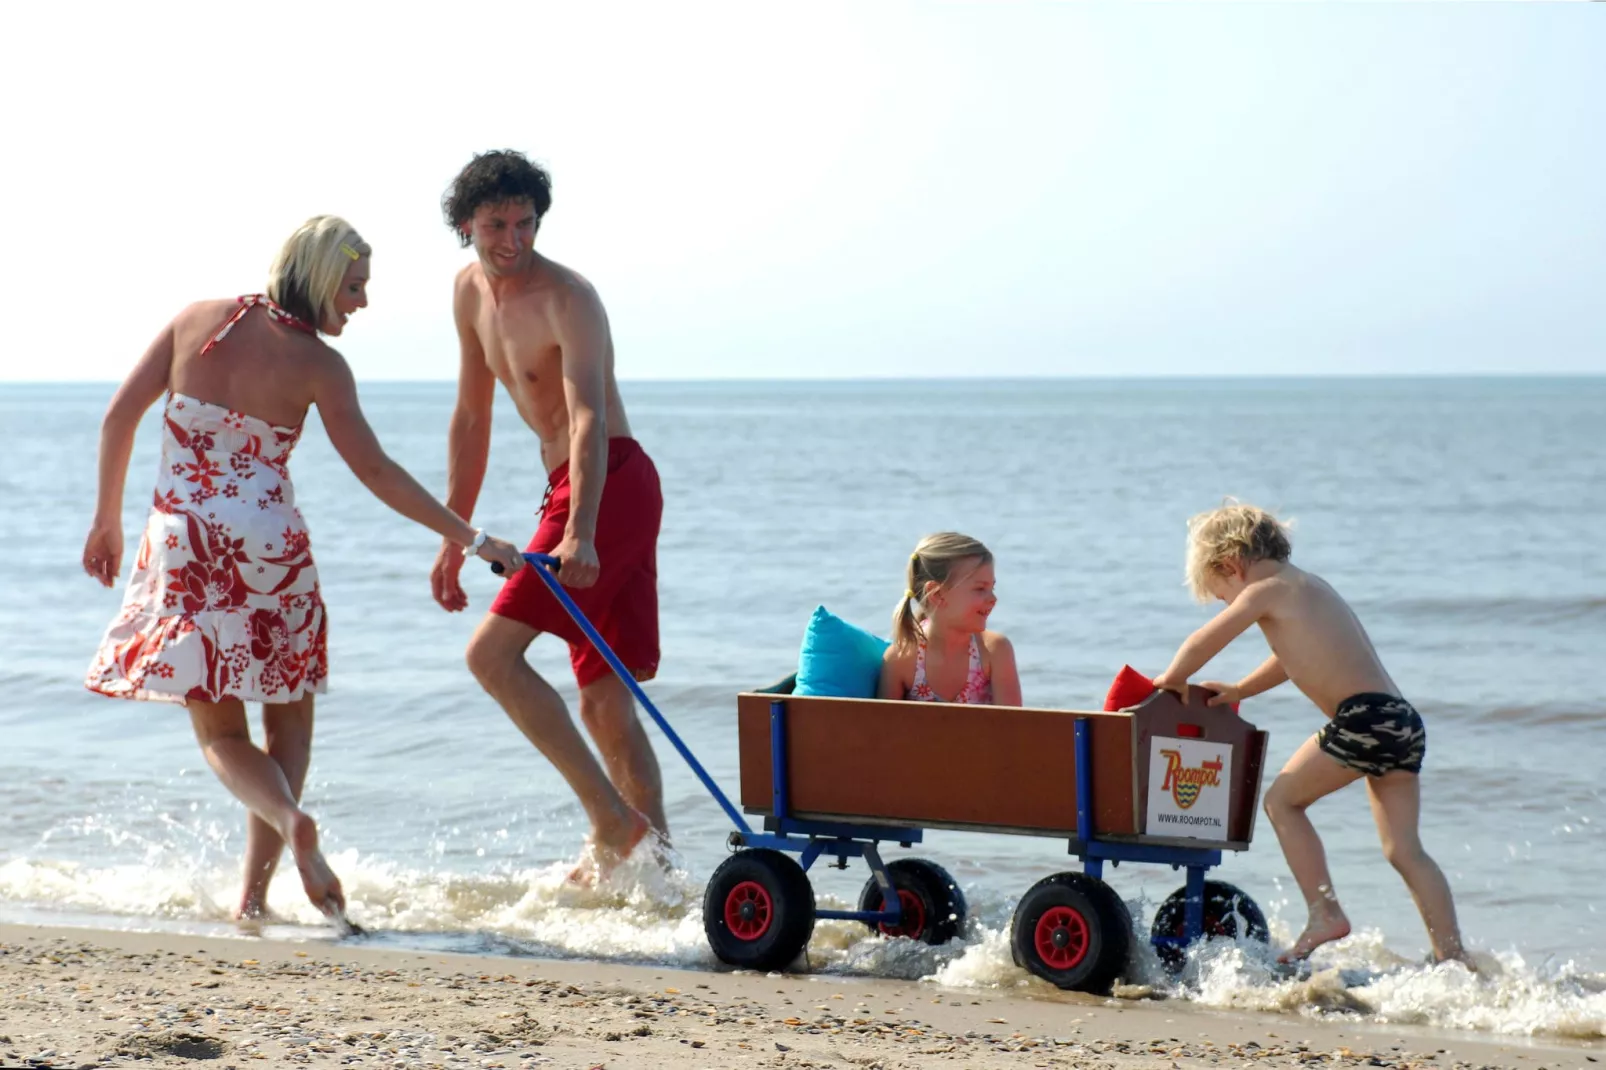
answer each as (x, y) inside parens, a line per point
(98, 998)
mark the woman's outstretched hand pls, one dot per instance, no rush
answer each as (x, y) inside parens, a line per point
(103, 551)
(501, 552)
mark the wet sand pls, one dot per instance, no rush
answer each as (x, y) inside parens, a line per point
(91, 998)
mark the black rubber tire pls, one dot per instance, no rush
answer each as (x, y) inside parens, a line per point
(1096, 931)
(1224, 905)
(774, 932)
(935, 895)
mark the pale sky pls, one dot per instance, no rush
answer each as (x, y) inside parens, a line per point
(839, 189)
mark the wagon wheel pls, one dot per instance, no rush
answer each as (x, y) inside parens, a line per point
(1228, 913)
(1073, 931)
(933, 906)
(758, 910)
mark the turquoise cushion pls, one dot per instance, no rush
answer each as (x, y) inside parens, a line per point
(838, 659)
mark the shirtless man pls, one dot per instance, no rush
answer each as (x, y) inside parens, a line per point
(540, 329)
(1239, 555)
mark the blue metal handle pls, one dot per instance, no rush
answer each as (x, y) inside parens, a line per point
(546, 566)
(535, 559)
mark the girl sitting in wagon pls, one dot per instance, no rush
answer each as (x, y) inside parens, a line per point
(941, 649)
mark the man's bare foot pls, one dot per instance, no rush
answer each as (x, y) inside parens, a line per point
(585, 873)
(1461, 955)
(1318, 931)
(317, 879)
(601, 857)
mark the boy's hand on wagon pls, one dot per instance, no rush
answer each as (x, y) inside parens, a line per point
(1225, 694)
(1178, 688)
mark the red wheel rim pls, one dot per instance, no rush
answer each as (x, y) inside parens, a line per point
(1061, 938)
(748, 910)
(914, 916)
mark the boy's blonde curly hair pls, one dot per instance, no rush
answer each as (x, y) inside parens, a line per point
(1235, 531)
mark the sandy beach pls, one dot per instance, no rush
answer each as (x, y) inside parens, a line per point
(91, 998)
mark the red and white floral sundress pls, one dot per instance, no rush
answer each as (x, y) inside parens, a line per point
(223, 600)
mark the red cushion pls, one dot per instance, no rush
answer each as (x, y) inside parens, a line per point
(1130, 688)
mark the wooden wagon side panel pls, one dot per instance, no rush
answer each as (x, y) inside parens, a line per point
(937, 764)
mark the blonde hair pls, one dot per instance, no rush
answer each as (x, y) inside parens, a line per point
(306, 274)
(1233, 532)
(935, 561)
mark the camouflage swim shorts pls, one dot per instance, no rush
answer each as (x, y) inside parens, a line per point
(1373, 733)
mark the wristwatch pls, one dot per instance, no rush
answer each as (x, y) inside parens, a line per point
(474, 547)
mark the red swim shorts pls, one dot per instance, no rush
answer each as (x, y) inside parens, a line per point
(623, 603)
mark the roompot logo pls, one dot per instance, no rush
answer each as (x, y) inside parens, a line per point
(1189, 790)
(1185, 782)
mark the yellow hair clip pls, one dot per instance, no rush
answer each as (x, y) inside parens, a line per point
(348, 250)
(915, 556)
(908, 595)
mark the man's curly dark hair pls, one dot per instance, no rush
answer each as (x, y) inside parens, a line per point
(494, 178)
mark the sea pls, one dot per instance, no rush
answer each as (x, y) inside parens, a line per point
(1464, 519)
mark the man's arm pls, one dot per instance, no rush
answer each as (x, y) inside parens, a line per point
(1210, 640)
(468, 436)
(581, 329)
(468, 441)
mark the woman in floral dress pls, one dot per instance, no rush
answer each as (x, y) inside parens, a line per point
(223, 607)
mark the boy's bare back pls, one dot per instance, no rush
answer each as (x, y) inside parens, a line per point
(1316, 636)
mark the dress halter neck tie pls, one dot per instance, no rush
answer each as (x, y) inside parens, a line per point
(247, 303)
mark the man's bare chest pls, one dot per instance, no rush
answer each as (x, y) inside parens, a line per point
(519, 345)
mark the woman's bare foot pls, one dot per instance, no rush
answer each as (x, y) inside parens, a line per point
(254, 909)
(254, 900)
(317, 879)
(1324, 927)
(602, 856)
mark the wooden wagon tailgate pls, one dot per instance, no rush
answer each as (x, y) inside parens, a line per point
(937, 764)
(1163, 716)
